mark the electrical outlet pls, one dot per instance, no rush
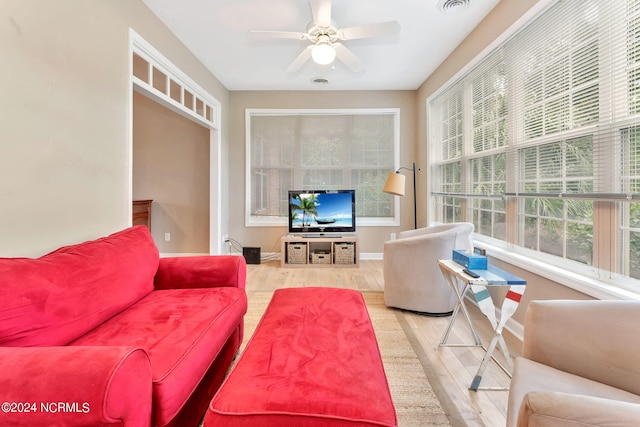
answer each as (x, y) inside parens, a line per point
(225, 238)
(167, 237)
(393, 236)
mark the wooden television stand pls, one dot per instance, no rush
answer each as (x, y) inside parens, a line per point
(328, 250)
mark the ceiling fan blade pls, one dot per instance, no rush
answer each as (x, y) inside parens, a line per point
(321, 10)
(379, 29)
(348, 58)
(281, 34)
(297, 63)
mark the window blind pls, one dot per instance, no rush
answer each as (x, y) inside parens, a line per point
(320, 151)
(548, 126)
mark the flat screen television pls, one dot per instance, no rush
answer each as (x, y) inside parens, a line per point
(322, 211)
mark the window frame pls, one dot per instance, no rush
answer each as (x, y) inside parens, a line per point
(596, 280)
(282, 221)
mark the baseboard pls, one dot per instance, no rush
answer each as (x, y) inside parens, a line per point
(516, 329)
(371, 256)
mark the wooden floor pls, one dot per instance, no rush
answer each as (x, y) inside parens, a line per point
(451, 369)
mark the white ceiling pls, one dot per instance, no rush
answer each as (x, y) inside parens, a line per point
(218, 33)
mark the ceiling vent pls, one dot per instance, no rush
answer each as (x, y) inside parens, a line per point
(452, 6)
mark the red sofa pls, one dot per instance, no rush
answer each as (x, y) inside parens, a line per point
(107, 333)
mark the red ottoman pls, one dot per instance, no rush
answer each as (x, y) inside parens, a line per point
(313, 361)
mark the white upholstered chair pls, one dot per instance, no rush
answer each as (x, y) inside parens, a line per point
(412, 278)
(579, 365)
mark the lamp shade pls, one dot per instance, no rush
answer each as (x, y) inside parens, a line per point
(394, 184)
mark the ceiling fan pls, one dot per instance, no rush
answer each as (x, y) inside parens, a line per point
(326, 39)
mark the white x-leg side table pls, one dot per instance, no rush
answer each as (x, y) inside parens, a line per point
(460, 282)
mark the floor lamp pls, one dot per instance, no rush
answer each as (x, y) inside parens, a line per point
(395, 185)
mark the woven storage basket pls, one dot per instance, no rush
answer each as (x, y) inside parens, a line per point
(344, 253)
(296, 253)
(320, 257)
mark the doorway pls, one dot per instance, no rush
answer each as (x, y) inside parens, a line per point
(171, 168)
(160, 91)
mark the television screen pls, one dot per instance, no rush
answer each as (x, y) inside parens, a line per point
(322, 211)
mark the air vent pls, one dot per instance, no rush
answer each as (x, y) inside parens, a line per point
(320, 81)
(452, 6)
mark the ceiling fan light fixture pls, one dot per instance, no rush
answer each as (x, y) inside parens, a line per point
(323, 53)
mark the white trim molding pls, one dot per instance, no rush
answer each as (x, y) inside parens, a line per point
(178, 92)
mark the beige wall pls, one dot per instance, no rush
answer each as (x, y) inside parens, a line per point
(64, 117)
(499, 21)
(171, 167)
(371, 239)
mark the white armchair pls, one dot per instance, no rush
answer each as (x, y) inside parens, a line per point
(579, 365)
(412, 278)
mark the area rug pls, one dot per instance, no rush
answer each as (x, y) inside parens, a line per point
(415, 401)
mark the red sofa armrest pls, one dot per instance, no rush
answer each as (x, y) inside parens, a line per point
(201, 272)
(75, 386)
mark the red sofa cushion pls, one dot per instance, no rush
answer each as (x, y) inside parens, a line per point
(313, 361)
(183, 330)
(200, 272)
(60, 296)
